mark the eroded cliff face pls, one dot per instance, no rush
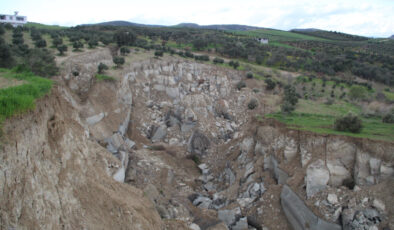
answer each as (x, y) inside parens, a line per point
(171, 144)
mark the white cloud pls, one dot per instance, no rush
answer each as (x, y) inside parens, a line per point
(364, 17)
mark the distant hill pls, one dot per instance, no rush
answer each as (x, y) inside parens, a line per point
(392, 37)
(331, 35)
(184, 25)
(121, 23)
(220, 27)
(305, 30)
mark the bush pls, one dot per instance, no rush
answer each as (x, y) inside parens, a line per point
(124, 51)
(388, 118)
(240, 85)
(101, 68)
(270, 84)
(249, 75)
(287, 107)
(57, 41)
(252, 104)
(158, 53)
(349, 123)
(41, 62)
(62, 49)
(77, 45)
(2, 31)
(124, 38)
(201, 58)
(234, 64)
(92, 43)
(118, 61)
(290, 95)
(357, 92)
(41, 43)
(218, 61)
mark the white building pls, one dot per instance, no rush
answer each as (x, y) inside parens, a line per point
(263, 40)
(15, 20)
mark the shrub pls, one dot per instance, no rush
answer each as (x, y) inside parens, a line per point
(158, 53)
(189, 54)
(270, 84)
(118, 61)
(218, 60)
(41, 62)
(252, 104)
(124, 38)
(41, 43)
(357, 92)
(234, 64)
(57, 41)
(329, 101)
(124, 51)
(388, 118)
(101, 68)
(201, 58)
(62, 49)
(249, 75)
(240, 85)
(287, 107)
(349, 123)
(290, 95)
(77, 45)
(92, 43)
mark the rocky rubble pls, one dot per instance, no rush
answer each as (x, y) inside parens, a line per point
(171, 145)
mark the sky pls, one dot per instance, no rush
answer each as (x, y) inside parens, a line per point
(372, 18)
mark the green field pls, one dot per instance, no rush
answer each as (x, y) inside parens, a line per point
(101, 77)
(278, 35)
(19, 99)
(319, 118)
(42, 26)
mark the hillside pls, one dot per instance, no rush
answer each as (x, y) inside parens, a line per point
(174, 128)
(331, 35)
(121, 23)
(219, 27)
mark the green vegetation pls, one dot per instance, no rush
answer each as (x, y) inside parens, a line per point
(332, 35)
(101, 68)
(320, 118)
(253, 104)
(290, 99)
(19, 99)
(42, 26)
(277, 35)
(373, 127)
(101, 77)
(119, 61)
(349, 123)
(389, 95)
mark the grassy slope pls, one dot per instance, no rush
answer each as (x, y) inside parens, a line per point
(19, 99)
(278, 35)
(42, 26)
(319, 117)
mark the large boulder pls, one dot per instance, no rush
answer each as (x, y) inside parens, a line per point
(229, 217)
(298, 214)
(198, 143)
(247, 144)
(339, 174)
(317, 177)
(160, 133)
